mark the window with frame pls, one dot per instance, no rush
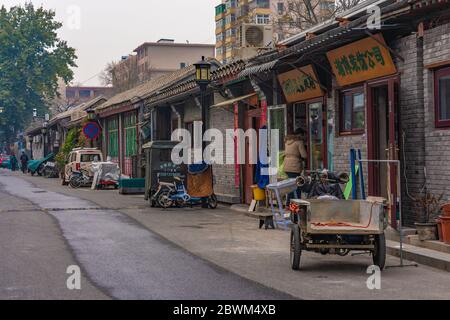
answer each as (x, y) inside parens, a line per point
(442, 97)
(352, 113)
(262, 19)
(263, 4)
(85, 93)
(280, 7)
(130, 129)
(112, 127)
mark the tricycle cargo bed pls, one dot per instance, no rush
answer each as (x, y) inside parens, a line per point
(345, 217)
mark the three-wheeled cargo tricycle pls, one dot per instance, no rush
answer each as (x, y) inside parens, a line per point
(158, 166)
(338, 227)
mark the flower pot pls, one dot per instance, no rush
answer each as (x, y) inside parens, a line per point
(426, 231)
(446, 210)
(445, 220)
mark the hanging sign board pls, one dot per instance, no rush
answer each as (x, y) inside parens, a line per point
(361, 60)
(300, 84)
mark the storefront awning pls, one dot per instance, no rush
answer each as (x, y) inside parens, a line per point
(232, 101)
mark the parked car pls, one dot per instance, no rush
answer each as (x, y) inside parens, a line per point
(4, 161)
(80, 158)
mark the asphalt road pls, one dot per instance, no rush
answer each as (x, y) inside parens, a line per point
(43, 232)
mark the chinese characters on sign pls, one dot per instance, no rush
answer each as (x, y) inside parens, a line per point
(361, 60)
(300, 84)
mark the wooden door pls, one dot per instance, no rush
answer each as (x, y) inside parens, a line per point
(252, 121)
(383, 134)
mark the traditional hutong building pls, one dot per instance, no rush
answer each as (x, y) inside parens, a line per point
(348, 83)
(46, 137)
(150, 111)
(384, 89)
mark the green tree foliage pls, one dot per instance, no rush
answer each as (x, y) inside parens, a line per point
(72, 141)
(32, 58)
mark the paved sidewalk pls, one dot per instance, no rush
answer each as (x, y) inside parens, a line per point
(234, 242)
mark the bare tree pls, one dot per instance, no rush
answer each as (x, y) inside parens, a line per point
(122, 75)
(343, 5)
(107, 75)
(299, 15)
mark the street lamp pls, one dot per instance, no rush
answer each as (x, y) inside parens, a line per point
(203, 73)
(91, 114)
(44, 134)
(44, 128)
(203, 79)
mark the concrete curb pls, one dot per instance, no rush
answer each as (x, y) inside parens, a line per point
(428, 257)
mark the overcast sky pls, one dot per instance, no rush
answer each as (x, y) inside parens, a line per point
(109, 29)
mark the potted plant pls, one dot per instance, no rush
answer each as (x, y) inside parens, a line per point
(429, 208)
(445, 223)
(446, 209)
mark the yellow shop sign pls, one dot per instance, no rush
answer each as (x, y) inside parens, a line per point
(300, 84)
(361, 60)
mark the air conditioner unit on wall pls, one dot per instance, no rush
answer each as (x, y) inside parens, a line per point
(253, 39)
(255, 36)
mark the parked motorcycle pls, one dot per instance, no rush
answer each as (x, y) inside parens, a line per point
(317, 183)
(80, 178)
(50, 170)
(169, 194)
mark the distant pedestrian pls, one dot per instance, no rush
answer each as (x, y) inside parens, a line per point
(24, 162)
(14, 163)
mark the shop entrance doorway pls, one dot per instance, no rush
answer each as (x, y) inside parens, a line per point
(383, 140)
(252, 121)
(311, 117)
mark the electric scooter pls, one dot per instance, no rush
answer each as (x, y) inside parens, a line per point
(169, 194)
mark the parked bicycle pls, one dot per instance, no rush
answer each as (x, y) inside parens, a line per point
(80, 179)
(50, 170)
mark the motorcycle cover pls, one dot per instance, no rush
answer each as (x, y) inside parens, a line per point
(106, 171)
(33, 165)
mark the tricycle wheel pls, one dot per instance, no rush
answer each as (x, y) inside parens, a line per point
(379, 252)
(212, 201)
(296, 250)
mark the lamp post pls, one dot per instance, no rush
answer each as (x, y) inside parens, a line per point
(44, 131)
(91, 116)
(203, 79)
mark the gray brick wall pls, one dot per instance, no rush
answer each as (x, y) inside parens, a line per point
(224, 175)
(343, 143)
(411, 134)
(437, 141)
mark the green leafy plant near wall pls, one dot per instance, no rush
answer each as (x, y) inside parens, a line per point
(73, 140)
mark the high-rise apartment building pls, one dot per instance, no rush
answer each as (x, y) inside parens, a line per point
(285, 17)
